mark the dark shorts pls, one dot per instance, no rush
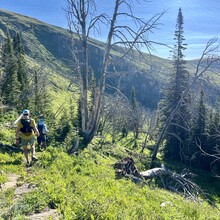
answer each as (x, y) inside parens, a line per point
(41, 139)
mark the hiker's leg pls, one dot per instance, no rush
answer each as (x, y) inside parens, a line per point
(44, 145)
(44, 142)
(24, 144)
(32, 148)
(25, 150)
(38, 143)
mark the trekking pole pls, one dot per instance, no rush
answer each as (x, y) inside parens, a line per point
(16, 121)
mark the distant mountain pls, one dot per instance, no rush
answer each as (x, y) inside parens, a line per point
(52, 46)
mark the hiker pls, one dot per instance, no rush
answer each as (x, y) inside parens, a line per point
(42, 128)
(25, 134)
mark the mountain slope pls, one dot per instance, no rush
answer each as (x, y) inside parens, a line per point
(51, 46)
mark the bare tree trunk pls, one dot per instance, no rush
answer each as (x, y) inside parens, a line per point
(90, 132)
(81, 13)
(84, 70)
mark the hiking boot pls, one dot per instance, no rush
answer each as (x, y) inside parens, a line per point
(28, 164)
(34, 158)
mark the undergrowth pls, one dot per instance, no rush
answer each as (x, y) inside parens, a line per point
(84, 187)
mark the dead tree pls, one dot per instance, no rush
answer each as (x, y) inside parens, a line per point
(82, 19)
(174, 182)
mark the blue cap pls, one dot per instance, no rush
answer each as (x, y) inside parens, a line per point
(41, 122)
(26, 112)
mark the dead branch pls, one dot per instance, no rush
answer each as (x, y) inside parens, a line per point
(174, 182)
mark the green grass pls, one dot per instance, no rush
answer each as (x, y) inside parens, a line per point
(84, 187)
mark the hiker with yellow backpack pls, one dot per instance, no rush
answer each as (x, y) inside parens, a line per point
(25, 135)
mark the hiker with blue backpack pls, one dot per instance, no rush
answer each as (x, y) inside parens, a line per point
(42, 128)
(25, 134)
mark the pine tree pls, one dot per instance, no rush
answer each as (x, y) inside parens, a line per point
(46, 100)
(17, 45)
(92, 86)
(11, 85)
(64, 127)
(19, 53)
(176, 135)
(38, 105)
(1, 111)
(79, 117)
(213, 128)
(72, 113)
(198, 135)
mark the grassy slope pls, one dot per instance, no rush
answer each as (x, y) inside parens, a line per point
(84, 187)
(51, 46)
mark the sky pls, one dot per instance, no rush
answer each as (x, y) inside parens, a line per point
(201, 19)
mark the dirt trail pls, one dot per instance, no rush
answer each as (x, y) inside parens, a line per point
(12, 181)
(22, 188)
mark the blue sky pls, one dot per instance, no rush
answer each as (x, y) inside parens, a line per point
(201, 19)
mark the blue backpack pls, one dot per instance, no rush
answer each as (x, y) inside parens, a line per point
(40, 129)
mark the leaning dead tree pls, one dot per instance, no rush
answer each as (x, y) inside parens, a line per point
(130, 35)
(207, 59)
(174, 182)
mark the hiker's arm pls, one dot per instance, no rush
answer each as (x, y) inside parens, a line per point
(17, 133)
(36, 131)
(17, 136)
(34, 126)
(47, 131)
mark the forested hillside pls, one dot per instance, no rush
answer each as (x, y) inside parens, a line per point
(136, 138)
(51, 46)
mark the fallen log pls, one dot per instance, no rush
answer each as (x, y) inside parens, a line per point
(148, 174)
(165, 178)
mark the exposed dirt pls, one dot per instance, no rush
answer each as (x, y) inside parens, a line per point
(21, 189)
(12, 181)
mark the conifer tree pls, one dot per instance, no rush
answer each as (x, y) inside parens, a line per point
(17, 45)
(38, 106)
(176, 135)
(11, 85)
(64, 127)
(22, 72)
(92, 87)
(1, 111)
(198, 132)
(213, 128)
(46, 101)
(72, 112)
(79, 118)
